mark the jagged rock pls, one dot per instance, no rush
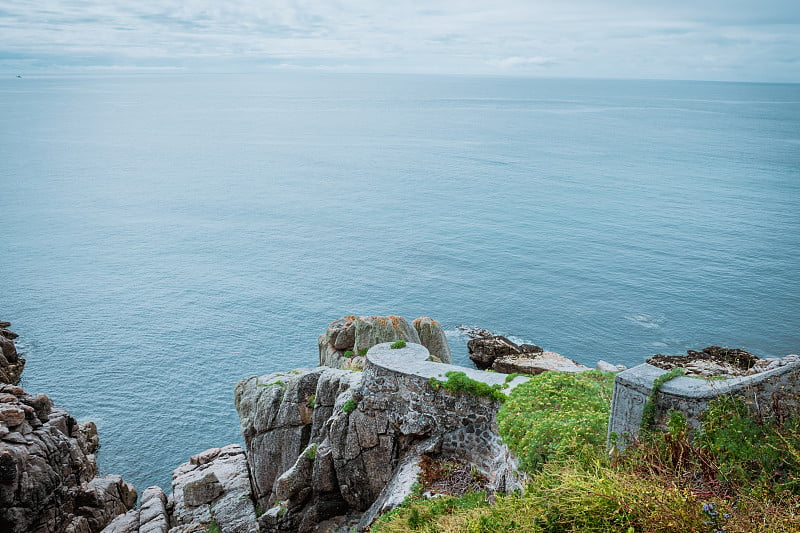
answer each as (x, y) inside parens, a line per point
(214, 485)
(536, 365)
(11, 364)
(203, 490)
(484, 350)
(360, 333)
(47, 471)
(432, 337)
(151, 517)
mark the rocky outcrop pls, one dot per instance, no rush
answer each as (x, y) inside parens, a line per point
(151, 517)
(11, 364)
(48, 467)
(432, 337)
(211, 490)
(214, 486)
(485, 348)
(538, 363)
(500, 354)
(325, 442)
(347, 339)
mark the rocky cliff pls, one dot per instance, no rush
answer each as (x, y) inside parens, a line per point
(326, 449)
(326, 442)
(11, 364)
(48, 480)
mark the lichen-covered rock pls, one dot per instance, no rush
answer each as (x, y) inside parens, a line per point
(11, 364)
(214, 486)
(354, 335)
(47, 470)
(432, 337)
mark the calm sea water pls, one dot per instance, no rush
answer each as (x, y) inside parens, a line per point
(165, 236)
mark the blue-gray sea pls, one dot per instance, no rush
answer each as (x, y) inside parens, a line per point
(165, 235)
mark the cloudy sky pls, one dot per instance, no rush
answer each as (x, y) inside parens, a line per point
(738, 40)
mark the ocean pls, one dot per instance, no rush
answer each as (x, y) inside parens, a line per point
(165, 235)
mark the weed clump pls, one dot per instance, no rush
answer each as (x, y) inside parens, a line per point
(398, 344)
(460, 382)
(349, 406)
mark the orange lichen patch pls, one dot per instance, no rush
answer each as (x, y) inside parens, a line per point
(418, 321)
(395, 320)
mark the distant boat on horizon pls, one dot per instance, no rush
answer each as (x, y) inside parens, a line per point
(19, 75)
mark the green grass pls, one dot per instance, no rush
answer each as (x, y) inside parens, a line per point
(740, 473)
(460, 382)
(556, 414)
(311, 452)
(398, 344)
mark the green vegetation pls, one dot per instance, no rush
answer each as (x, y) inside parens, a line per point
(398, 344)
(460, 382)
(349, 353)
(556, 415)
(739, 473)
(362, 351)
(649, 411)
(349, 406)
(311, 401)
(311, 452)
(212, 526)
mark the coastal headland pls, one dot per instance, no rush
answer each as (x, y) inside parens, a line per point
(330, 448)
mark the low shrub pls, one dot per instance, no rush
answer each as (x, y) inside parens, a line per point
(555, 414)
(460, 382)
(398, 344)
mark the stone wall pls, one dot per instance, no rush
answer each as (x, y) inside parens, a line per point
(776, 388)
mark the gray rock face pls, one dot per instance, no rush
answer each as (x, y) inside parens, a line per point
(213, 486)
(363, 432)
(432, 337)
(11, 364)
(47, 470)
(151, 517)
(360, 333)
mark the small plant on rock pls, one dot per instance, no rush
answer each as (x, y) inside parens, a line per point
(349, 406)
(398, 344)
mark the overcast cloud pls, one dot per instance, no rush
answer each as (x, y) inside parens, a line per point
(702, 39)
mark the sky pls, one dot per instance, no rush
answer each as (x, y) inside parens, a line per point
(726, 40)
